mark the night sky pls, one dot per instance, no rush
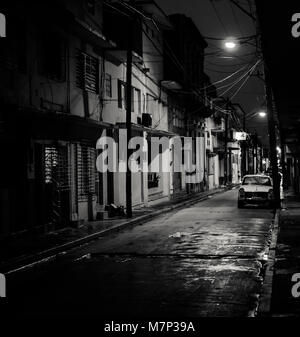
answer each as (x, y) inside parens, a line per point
(219, 19)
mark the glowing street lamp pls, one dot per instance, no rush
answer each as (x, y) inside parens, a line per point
(230, 44)
(262, 114)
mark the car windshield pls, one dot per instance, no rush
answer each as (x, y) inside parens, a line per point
(257, 181)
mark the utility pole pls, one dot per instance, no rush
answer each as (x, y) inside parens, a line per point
(244, 146)
(272, 137)
(225, 144)
(128, 116)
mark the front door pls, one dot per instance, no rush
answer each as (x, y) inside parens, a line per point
(52, 185)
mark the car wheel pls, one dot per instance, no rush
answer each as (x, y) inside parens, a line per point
(240, 204)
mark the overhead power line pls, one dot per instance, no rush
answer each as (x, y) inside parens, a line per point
(247, 78)
(244, 75)
(170, 53)
(224, 79)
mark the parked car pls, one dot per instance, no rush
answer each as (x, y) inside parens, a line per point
(256, 189)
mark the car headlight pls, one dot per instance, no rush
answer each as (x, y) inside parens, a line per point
(270, 194)
(241, 193)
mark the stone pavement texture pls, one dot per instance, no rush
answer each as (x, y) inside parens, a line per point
(287, 259)
(30, 247)
(202, 260)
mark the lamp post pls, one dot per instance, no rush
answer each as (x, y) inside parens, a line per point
(272, 138)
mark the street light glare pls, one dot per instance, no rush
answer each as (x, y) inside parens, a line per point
(230, 44)
(262, 114)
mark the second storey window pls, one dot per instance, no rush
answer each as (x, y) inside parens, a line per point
(87, 72)
(135, 97)
(121, 95)
(52, 51)
(151, 104)
(108, 87)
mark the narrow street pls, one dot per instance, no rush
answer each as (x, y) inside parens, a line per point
(196, 262)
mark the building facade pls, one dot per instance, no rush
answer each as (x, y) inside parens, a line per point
(63, 86)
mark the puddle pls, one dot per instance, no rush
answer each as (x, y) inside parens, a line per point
(179, 234)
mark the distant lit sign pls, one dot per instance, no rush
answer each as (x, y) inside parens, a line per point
(2, 286)
(240, 135)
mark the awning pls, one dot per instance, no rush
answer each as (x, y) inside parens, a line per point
(55, 126)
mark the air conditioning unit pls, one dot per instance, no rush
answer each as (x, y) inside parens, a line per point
(146, 120)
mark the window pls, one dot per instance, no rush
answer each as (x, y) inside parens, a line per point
(208, 138)
(57, 169)
(135, 97)
(121, 95)
(52, 56)
(108, 87)
(87, 173)
(178, 118)
(153, 177)
(136, 100)
(257, 180)
(153, 180)
(211, 165)
(151, 104)
(87, 72)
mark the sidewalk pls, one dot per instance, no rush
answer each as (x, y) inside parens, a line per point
(29, 248)
(286, 260)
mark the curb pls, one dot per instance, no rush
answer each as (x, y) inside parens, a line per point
(29, 261)
(264, 307)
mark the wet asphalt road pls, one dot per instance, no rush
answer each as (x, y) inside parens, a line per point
(201, 261)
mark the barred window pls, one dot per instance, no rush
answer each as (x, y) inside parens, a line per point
(108, 88)
(153, 180)
(57, 169)
(87, 72)
(87, 174)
